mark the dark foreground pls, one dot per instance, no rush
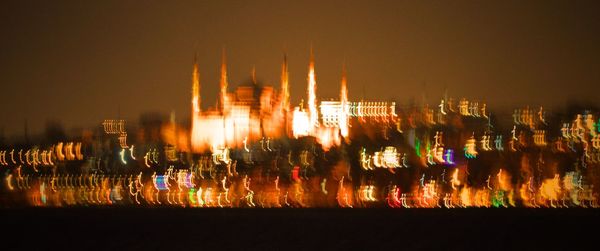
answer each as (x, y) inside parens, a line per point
(338, 229)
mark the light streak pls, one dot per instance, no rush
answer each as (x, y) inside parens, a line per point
(464, 107)
(146, 159)
(442, 107)
(12, 156)
(161, 182)
(78, 153)
(344, 113)
(370, 191)
(469, 149)
(377, 159)
(498, 142)
(450, 103)
(295, 173)
(223, 184)
(313, 114)
(365, 160)
(323, 182)
(21, 156)
(439, 155)
(475, 109)
(44, 162)
(501, 181)
(465, 197)
(269, 145)
(49, 156)
(154, 156)
(429, 156)
(418, 147)
(392, 197)
(43, 195)
(224, 101)
(246, 144)
(447, 202)
(27, 154)
(9, 182)
(450, 157)
(69, 151)
(483, 113)
(195, 89)
(131, 151)
(403, 200)
(485, 142)
(122, 154)
(391, 157)
(455, 182)
(3, 158)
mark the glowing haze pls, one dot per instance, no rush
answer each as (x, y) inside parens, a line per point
(80, 62)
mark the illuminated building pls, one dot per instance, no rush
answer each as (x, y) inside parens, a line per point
(251, 112)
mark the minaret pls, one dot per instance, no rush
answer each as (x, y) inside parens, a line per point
(343, 120)
(312, 99)
(285, 92)
(195, 135)
(223, 82)
(195, 89)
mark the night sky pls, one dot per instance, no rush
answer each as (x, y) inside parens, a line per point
(80, 63)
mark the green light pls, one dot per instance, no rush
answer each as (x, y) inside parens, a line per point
(192, 195)
(498, 200)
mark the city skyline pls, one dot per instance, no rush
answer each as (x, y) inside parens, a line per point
(342, 124)
(82, 72)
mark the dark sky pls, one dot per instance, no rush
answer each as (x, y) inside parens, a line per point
(80, 63)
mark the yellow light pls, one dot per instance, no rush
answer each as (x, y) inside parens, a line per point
(300, 123)
(313, 114)
(455, 182)
(9, 182)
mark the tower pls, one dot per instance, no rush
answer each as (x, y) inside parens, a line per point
(195, 135)
(312, 100)
(285, 94)
(223, 82)
(195, 89)
(343, 121)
